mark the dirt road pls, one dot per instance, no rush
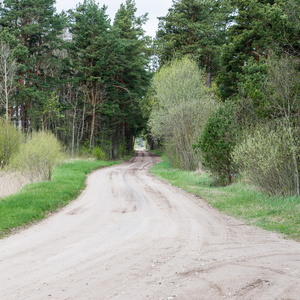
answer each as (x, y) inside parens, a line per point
(130, 236)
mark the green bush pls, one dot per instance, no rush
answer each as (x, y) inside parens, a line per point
(10, 140)
(267, 158)
(38, 156)
(217, 142)
(99, 153)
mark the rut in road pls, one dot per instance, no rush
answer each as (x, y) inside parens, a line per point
(131, 236)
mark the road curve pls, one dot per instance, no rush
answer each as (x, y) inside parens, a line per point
(131, 236)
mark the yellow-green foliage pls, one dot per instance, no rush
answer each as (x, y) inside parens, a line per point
(266, 157)
(10, 140)
(99, 153)
(38, 156)
(182, 105)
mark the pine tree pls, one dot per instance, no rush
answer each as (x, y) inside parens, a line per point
(285, 19)
(36, 27)
(95, 52)
(134, 74)
(196, 28)
(260, 28)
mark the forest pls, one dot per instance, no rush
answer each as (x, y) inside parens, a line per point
(217, 88)
(74, 74)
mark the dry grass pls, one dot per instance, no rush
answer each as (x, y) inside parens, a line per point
(36, 201)
(11, 182)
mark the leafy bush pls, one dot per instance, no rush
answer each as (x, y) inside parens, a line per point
(267, 158)
(217, 142)
(10, 140)
(99, 153)
(38, 156)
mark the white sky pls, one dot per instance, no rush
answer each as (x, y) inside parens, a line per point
(154, 8)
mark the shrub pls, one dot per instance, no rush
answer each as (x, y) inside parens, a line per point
(38, 156)
(217, 142)
(266, 158)
(10, 140)
(99, 153)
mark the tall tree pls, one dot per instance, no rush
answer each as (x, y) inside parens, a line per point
(95, 52)
(37, 28)
(194, 27)
(285, 18)
(8, 67)
(260, 28)
(134, 74)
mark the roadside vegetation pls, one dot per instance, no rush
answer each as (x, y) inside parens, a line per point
(38, 161)
(221, 95)
(36, 200)
(78, 74)
(241, 118)
(182, 106)
(240, 199)
(29, 158)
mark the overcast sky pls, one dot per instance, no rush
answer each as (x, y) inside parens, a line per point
(154, 8)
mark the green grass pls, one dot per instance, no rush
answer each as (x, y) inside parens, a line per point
(239, 200)
(37, 200)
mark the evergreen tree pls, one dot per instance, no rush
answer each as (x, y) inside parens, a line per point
(194, 27)
(134, 74)
(260, 28)
(285, 18)
(95, 52)
(37, 28)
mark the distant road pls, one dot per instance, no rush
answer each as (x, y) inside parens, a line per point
(130, 236)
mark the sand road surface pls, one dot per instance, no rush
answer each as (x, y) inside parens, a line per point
(131, 236)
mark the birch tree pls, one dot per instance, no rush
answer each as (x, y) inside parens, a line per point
(183, 106)
(8, 67)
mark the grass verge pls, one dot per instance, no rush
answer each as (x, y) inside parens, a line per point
(37, 200)
(279, 214)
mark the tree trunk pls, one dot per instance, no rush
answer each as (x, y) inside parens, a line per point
(208, 71)
(23, 117)
(123, 139)
(80, 133)
(73, 131)
(6, 91)
(92, 142)
(293, 148)
(115, 143)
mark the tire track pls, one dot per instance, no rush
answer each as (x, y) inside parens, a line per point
(131, 236)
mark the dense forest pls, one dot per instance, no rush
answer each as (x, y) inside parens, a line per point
(226, 94)
(75, 74)
(218, 87)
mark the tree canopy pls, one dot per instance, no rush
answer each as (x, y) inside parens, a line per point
(78, 73)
